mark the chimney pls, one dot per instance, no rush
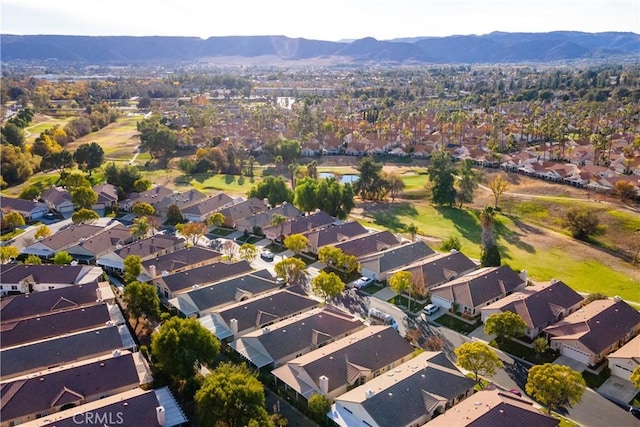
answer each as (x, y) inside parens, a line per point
(233, 323)
(161, 416)
(314, 338)
(98, 294)
(369, 393)
(617, 298)
(324, 384)
(523, 275)
(152, 271)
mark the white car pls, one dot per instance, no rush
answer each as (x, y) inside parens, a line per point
(430, 309)
(362, 282)
(266, 255)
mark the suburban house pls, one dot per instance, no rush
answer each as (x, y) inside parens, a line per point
(234, 318)
(243, 209)
(170, 285)
(351, 361)
(204, 208)
(409, 395)
(27, 278)
(283, 341)
(539, 305)
(32, 397)
(137, 407)
(87, 250)
(39, 355)
(178, 260)
(624, 360)
(25, 306)
(57, 323)
(204, 299)
(439, 268)
(151, 197)
(597, 329)
(181, 200)
(59, 200)
(333, 234)
(371, 243)
(298, 225)
(378, 265)
(27, 208)
(63, 240)
(495, 408)
(262, 220)
(107, 196)
(478, 289)
(158, 244)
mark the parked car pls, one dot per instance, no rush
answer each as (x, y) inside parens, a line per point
(361, 282)
(49, 215)
(380, 317)
(516, 392)
(429, 309)
(266, 255)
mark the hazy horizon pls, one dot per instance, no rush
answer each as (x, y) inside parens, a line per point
(331, 21)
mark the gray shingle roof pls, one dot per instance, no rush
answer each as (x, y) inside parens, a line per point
(441, 268)
(40, 393)
(29, 305)
(19, 205)
(505, 415)
(335, 234)
(228, 291)
(58, 351)
(402, 403)
(181, 258)
(481, 286)
(205, 275)
(369, 244)
(104, 241)
(47, 273)
(149, 246)
(404, 255)
(70, 236)
(55, 324)
(258, 312)
(208, 205)
(302, 224)
(263, 219)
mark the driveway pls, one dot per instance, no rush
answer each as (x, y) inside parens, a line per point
(385, 294)
(573, 364)
(618, 388)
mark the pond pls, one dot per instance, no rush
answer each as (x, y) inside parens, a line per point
(346, 178)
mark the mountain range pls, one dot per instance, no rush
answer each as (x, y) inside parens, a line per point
(496, 47)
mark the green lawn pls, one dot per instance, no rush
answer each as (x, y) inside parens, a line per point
(594, 381)
(372, 288)
(456, 324)
(249, 239)
(524, 352)
(222, 232)
(583, 275)
(11, 235)
(228, 183)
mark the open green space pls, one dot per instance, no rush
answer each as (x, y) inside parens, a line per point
(542, 264)
(206, 182)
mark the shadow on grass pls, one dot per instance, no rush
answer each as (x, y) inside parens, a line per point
(466, 222)
(513, 236)
(388, 217)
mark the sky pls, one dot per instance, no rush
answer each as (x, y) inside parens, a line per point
(320, 19)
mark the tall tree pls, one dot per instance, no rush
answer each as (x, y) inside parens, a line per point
(292, 270)
(142, 208)
(555, 385)
(231, 395)
(181, 345)
(62, 258)
(469, 180)
(89, 156)
(141, 300)
(8, 253)
(330, 255)
(319, 406)
(395, 184)
(327, 285)
(478, 357)
(13, 220)
(278, 219)
(274, 189)
(370, 184)
(490, 255)
(83, 215)
(306, 195)
(132, 268)
(505, 324)
(498, 186)
(296, 243)
(248, 252)
(192, 230)
(140, 227)
(442, 177)
(216, 220)
(84, 197)
(401, 282)
(540, 345)
(412, 229)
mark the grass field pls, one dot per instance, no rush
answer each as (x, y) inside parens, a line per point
(118, 140)
(205, 182)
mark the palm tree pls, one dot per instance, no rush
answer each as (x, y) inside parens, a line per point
(412, 229)
(140, 227)
(487, 221)
(279, 219)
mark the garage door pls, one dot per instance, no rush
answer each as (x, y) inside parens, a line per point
(575, 354)
(621, 371)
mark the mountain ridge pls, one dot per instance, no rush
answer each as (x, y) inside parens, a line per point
(495, 47)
